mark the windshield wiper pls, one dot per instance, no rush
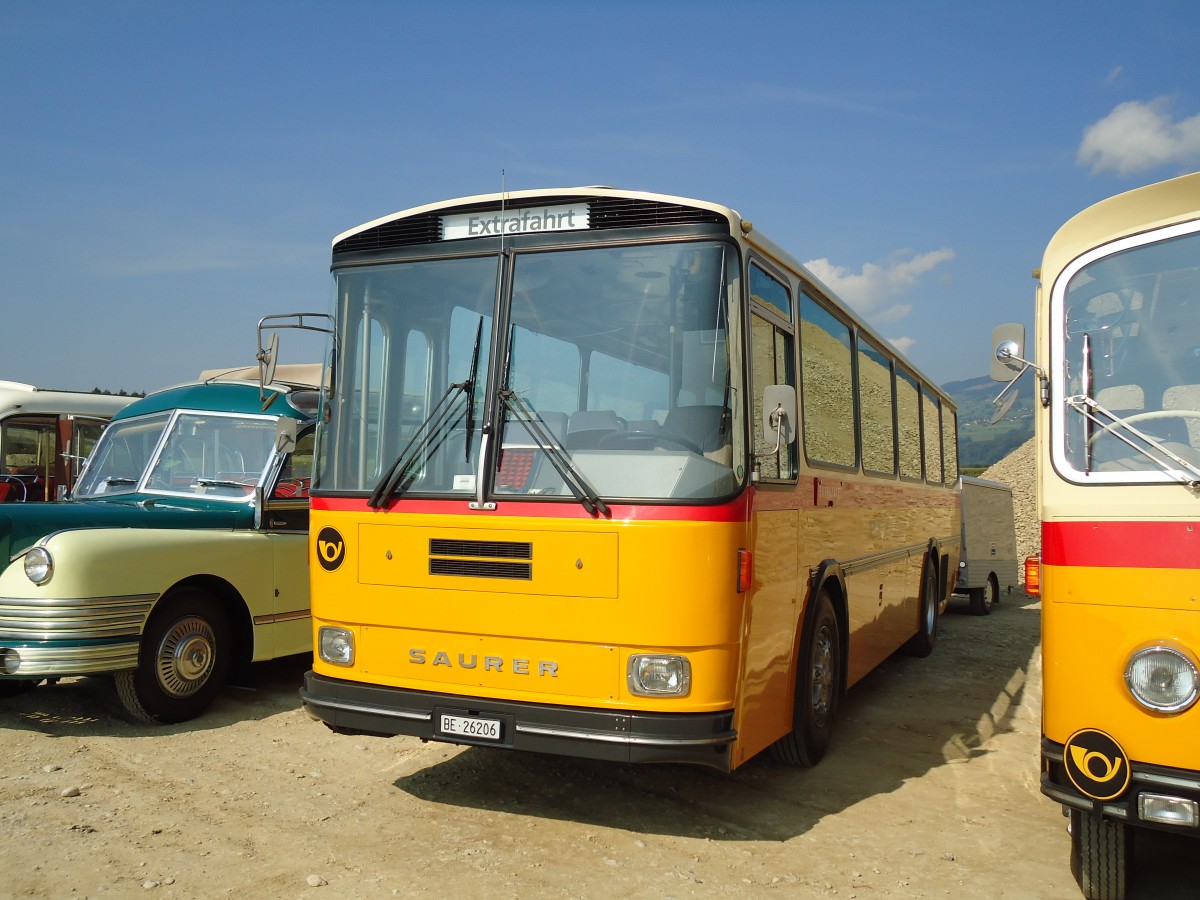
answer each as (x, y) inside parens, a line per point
(1121, 429)
(558, 456)
(543, 438)
(116, 479)
(432, 425)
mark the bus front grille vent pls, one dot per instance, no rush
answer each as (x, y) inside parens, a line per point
(629, 212)
(481, 559)
(420, 229)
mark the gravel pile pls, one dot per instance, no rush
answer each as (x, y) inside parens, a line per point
(1017, 471)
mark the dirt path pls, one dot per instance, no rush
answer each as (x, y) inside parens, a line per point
(930, 790)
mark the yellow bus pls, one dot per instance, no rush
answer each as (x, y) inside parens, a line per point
(1117, 363)
(608, 474)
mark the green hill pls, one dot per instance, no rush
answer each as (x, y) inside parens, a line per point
(980, 444)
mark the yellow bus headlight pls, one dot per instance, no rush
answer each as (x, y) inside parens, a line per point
(656, 675)
(335, 645)
(1162, 679)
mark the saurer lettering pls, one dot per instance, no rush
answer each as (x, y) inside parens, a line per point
(421, 657)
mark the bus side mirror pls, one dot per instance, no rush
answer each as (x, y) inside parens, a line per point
(779, 416)
(1008, 350)
(285, 435)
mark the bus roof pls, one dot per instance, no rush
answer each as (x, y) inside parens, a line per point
(1142, 209)
(29, 400)
(546, 195)
(228, 396)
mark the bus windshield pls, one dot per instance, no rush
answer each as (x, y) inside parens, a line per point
(1131, 361)
(612, 370)
(219, 456)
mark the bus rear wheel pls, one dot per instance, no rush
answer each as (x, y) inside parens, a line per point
(984, 598)
(818, 686)
(921, 643)
(183, 660)
(1099, 855)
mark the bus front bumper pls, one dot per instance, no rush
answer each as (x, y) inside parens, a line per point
(350, 707)
(1157, 796)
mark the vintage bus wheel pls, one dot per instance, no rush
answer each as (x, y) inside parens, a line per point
(984, 598)
(1099, 855)
(818, 683)
(921, 643)
(183, 660)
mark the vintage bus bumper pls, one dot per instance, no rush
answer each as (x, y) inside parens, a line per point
(58, 637)
(636, 737)
(1157, 796)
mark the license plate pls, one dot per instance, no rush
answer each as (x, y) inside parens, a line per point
(470, 726)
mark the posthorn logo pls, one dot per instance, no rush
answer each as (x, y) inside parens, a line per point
(1096, 764)
(331, 549)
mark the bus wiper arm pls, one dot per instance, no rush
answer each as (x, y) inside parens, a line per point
(1119, 428)
(431, 425)
(424, 433)
(537, 431)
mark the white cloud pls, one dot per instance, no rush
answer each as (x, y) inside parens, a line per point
(870, 290)
(1137, 136)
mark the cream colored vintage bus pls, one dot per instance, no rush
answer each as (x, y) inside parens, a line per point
(45, 436)
(1117, 366)
(609, 474)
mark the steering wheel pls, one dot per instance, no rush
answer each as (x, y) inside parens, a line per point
(1144, 416)
(645, 440)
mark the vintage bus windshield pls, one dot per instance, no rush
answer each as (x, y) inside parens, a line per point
(614, 363)
(1130, 360)
(216, 455)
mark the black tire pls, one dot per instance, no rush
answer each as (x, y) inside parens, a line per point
(183, 661)
(921, 643)
(818, 689)
(1100, 855)
(986, 597)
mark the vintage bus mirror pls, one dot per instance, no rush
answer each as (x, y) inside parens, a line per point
(779, 416)
(1008, 348)
(285, 435)
(268, 359)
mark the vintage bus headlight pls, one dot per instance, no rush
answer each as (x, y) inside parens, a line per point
(335, 645)
(39, 565)
(656, 675)
(1162, 679)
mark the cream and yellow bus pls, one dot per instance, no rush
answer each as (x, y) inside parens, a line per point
(608, 474)
(1117, 363)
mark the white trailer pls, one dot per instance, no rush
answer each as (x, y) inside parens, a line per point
(988, 558)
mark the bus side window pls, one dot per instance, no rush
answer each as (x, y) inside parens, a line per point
(772, 351)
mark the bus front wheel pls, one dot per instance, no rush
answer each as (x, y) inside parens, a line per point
(818, 685)
(1099, 855)
(183, 660)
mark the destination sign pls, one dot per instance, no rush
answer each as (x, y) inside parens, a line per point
(515, 221)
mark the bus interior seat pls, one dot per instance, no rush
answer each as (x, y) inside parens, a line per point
(586, 428)
(1185, 397)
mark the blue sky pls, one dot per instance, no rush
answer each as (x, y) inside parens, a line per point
(171, 172)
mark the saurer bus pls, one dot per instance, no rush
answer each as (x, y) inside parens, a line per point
(1117, 363)
(609, 474)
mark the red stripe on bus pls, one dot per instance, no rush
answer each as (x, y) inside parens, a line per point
(1147, 545)
(737, 511)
